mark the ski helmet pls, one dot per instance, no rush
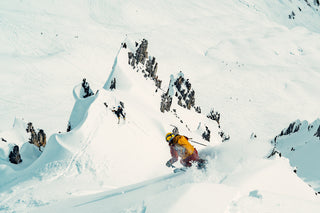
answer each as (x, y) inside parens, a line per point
(169, 136)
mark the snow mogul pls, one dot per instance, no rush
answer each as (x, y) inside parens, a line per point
(180, 147)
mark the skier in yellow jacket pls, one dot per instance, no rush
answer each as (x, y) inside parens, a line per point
(180, 147)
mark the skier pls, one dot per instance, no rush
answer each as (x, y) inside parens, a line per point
(180, 147)
(119, 112)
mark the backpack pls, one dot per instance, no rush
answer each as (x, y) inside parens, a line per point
(182, 146)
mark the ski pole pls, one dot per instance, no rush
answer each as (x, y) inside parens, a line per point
(197, 143)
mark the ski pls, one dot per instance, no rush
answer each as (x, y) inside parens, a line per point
(182, 169)
(201, 165)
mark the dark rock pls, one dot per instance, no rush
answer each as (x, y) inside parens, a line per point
(69, 127)
(317, 134)
(14, 156)
(206, 134)
(113, 84)
(87, 91)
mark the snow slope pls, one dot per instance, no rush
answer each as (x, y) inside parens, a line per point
(244, 58)
(300, 144)
(98, 154)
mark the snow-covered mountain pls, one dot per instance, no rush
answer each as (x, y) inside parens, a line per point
(253, 62)
(300, 143)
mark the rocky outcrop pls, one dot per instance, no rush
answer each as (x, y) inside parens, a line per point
(214, 116)
(179, 90)
(224, 136)
(317, 134)
(292, 128)
(14, 156)
(69, 127)
(185, 95)
(297, 127)
(38, 139)
(166, 101)
(113, 84)
(141, 61)
(206, 134)
(314, 4)
(86, 90)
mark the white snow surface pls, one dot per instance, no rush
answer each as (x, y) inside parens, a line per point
(302, 148)
(244, 58)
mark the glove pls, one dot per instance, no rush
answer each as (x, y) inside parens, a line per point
(169, 164)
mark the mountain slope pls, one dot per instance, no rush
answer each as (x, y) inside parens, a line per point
(98, 153)
(258, 70)
(300, 144)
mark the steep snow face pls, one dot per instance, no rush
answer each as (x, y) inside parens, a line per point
(242, 59)
(99, 154)
(300, 144)
(45, 52)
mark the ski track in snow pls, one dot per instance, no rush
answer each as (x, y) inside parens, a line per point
(130, 196)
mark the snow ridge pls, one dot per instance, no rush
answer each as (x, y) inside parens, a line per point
(299, 142)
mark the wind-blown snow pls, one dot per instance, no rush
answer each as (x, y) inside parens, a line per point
(246, 59)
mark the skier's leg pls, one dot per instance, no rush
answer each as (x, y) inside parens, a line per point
(124, 117)
(187, 161)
